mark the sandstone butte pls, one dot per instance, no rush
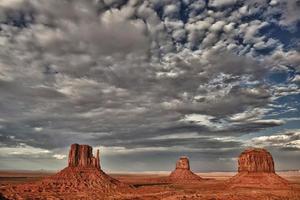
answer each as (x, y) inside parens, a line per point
(182, 172)
(82, 178)
(82, 156)
(256, 169)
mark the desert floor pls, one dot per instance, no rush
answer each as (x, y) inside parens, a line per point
(154, 186)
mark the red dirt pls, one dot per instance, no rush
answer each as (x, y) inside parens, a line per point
(148, 187)
(70, 183)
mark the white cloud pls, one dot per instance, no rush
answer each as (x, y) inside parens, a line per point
(296, 79)
(59, 156)
(243, 10)
(171, 10)
(221, 3)
(217, 26)
(10, 3)
(229, 27)
(270, 43)
(38, 129)
(118, 150)
(178, 136)
(204, 120)
(288, 139)
(273, 2)
(251, 114)
(124, 150)
(22, 149)
(270, 121)
(250, 31)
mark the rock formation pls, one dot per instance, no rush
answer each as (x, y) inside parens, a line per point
(256, 160)
(183, 163)
(256, 169)
(182, 172)
(82, 179)
(82, 156)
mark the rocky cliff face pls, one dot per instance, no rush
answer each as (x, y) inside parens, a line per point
(256, 160)
(182, 171)
(183, 163)
(256, 170)
(82, 156)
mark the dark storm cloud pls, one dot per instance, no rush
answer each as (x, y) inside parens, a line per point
(123, 76)
(192, 142)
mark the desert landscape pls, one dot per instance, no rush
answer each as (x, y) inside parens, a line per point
(149, 99)
(84, 179)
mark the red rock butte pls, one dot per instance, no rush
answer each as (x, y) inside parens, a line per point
(256, 160)
(82, 177)
(256, 169)
(82, 156)
(182, 171)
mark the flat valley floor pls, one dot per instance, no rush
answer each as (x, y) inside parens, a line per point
(152, 186)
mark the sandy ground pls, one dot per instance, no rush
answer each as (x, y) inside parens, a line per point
(153, 186)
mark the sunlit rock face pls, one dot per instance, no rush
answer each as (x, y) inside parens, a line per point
(182, 171)
(82, 156)
(256, 169)
(256, 160)
(183, 163)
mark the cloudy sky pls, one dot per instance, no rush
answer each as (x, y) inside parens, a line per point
(147, 81)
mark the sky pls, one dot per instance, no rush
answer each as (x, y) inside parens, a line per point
(147, 81)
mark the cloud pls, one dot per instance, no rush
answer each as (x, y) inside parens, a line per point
(139, 78)
(10, 4)
(59, 156)
(287, 140)
(22, 150)
(291, 14)
(38, 129)
(205, 120)
(221, 3)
